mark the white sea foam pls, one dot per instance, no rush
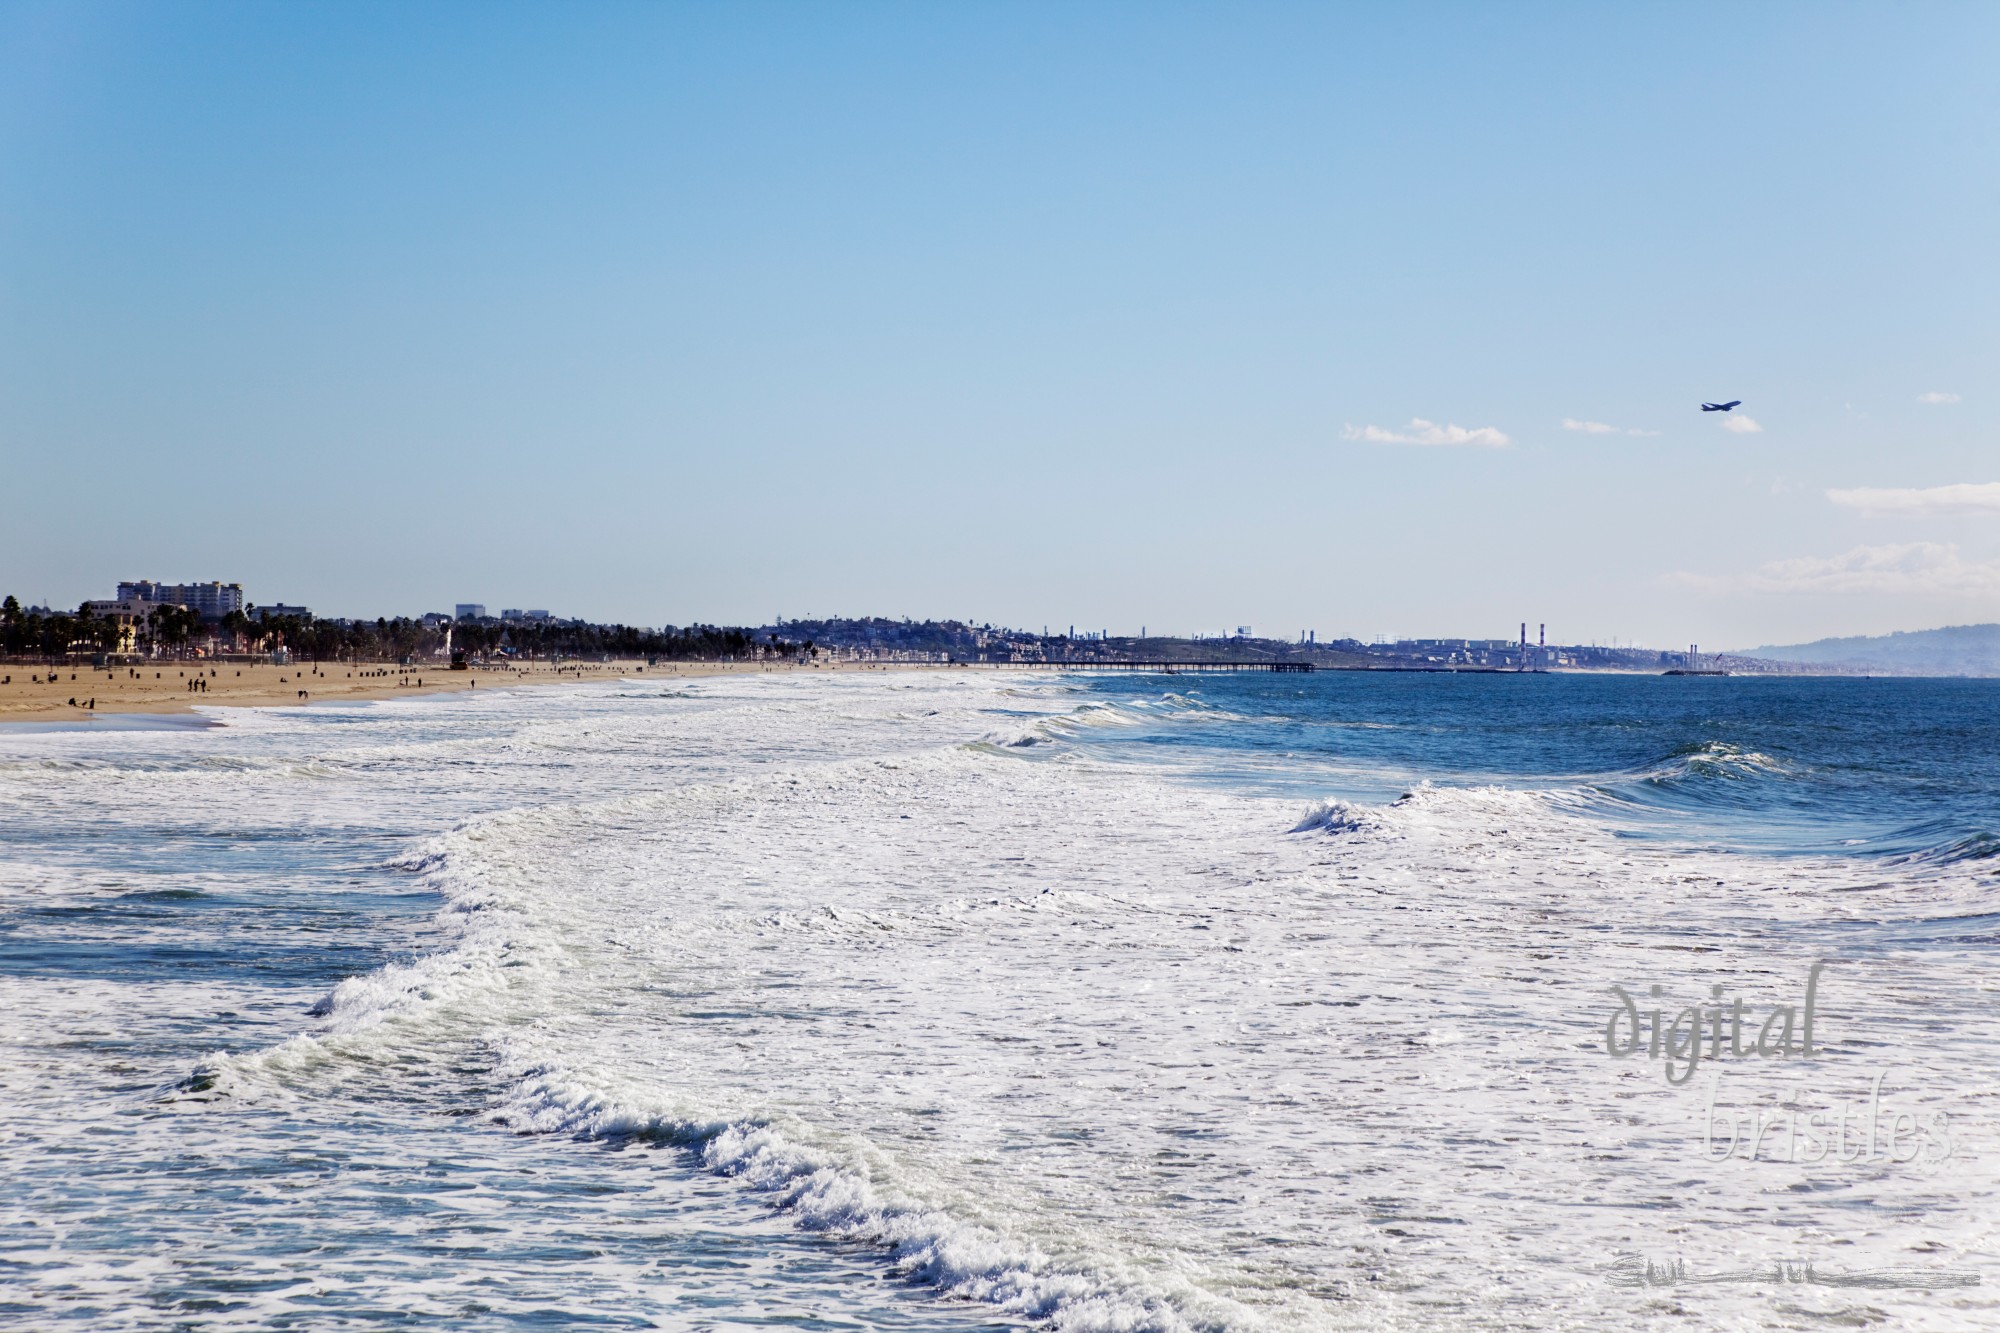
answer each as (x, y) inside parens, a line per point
(1097, 1047)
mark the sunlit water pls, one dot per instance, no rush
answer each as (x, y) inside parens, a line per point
(957, 1001)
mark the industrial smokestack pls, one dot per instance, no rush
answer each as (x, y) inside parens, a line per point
(1542, 636)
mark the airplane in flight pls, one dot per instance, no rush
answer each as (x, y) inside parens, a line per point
(1721, 407)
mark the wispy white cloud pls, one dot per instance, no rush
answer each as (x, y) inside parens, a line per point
(1969, 497)
(1742, 425)
(1916, 569)
(1602, 428)
(1429, 432)
(1938, 398)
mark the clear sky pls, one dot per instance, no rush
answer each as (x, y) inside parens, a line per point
(1370, 319)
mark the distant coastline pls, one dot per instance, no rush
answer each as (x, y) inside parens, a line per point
(1953, 650)
(58, 665)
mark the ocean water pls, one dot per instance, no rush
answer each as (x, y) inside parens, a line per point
(995, 1000)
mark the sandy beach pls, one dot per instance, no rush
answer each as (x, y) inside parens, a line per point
(31, 692)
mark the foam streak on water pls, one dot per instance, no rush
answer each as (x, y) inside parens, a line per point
(893, 1000)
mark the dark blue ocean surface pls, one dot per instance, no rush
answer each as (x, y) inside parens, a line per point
(1892, 768)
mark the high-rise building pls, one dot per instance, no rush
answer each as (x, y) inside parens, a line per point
(210, 601)
(469, 611)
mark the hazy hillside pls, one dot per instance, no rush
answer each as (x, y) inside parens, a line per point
(1956, 650)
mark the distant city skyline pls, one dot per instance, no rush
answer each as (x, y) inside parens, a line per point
(1355, 321)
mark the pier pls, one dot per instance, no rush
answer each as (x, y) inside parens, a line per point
(1165, 667)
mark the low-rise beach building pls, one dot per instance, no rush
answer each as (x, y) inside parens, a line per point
(128, 613)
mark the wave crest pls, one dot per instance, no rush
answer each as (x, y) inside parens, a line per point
(851, 1191)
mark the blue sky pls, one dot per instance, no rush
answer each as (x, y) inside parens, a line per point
(1039, 314)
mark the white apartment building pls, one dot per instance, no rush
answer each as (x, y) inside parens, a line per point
(210, 601)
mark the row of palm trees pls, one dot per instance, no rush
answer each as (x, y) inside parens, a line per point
(172, 629)
(40, 633)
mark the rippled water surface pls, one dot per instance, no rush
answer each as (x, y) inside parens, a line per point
(954, 1000)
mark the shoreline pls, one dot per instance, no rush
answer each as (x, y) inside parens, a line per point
(38, 694)
(35, 693)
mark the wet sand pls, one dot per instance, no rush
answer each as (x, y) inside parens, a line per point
(30, 692)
